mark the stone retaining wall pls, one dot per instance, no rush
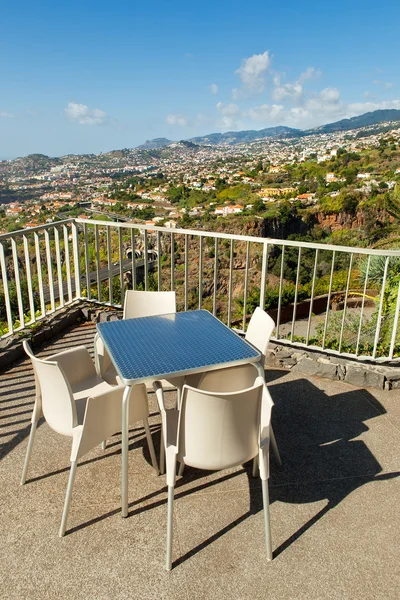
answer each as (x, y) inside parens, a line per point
(43, 331)
(320, 364)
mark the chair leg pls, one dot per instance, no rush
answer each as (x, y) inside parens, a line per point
(265, 495)
(255, 466)
(151, 446)
(28, 452)
(275, 446)
(162, 454)
(168, 562)
(104, 445)
(181, 469)
(68, 498)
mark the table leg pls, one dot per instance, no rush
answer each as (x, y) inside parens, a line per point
(125, 446)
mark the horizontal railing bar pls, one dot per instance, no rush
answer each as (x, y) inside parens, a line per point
(5, 236)
(244, 238)
(210, 234)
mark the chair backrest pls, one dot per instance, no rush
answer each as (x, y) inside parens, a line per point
(148, 304)
(219, 430)
(57, 401)
(229, 379)
(260, 330)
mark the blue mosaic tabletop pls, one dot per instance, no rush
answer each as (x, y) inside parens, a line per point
(173, 344)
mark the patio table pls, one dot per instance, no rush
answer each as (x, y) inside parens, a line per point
(146, 349)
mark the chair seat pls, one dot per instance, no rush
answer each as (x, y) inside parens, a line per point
(90, 387)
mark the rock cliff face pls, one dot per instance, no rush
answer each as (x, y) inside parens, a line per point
(258, 226)
(335, 222)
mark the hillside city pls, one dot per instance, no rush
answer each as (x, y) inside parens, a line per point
(337, 180)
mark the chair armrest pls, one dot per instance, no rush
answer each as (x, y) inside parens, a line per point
(159, 392)
(103, 363)
(102, 419)
(265, 418)
(76, 364)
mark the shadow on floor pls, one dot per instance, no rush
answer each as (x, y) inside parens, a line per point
(316, 433)
(321, 457)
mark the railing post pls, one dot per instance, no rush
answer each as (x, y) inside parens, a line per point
(5, 289)
(312, 297)
(395, 324)
(230, 284)
(278, 316)
(380, 311)
(75, 252)
(215, 277)
(200, 271)
(264, 268)
(186, 281)
(246, 282)
(159, 278)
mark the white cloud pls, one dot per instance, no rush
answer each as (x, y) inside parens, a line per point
(177, 119)
(84, 115)
(358, 108)
(214, 89)
(292, 90)
(229, 110)
(330, 95)
(315, 109)
(228, 123)
(385, 84)
(252, 72)
(277, 78)
(297, 113)
(309, 73)
(230, 114)
(266, 112)
(5, 115)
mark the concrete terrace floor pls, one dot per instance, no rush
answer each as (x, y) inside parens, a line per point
(334, 505)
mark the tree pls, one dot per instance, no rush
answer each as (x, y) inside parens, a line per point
(258, 206)
(350, 204)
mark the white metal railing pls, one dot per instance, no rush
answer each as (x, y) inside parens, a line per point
(37, 273)
(299, 283)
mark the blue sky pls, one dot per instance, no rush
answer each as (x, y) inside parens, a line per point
(95, 76)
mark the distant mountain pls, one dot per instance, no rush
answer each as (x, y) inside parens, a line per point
(231, 138)
(154, 144)
(239, 137)
(365, 120)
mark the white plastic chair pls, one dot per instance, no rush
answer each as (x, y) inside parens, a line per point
(136, 304)
(216, 430)
(77, 403)
(148, 304)
(258, 334)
